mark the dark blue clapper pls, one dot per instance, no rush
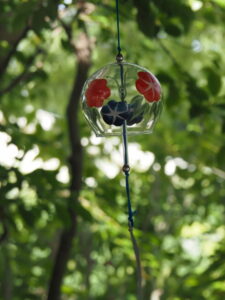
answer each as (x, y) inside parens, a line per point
(115, 113)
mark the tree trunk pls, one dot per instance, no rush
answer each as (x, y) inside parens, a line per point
(83, 53)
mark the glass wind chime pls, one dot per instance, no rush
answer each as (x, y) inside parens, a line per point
(122, 99)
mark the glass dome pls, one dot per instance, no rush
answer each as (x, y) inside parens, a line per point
(118, 93)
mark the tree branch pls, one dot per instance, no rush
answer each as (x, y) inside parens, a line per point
(173, 59)
(4, 234)
(22, 76)
(6, 60)
(83, 53)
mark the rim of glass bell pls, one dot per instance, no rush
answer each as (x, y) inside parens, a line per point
(142, 103)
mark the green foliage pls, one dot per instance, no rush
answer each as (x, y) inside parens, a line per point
(177, 176)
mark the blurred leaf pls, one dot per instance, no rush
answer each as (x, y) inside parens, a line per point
(173, 29)
(67, 45)
(214, 81)
(83, 212)
(146, 18)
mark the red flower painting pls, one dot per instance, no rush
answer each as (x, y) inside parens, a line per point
(97, 92)
(148, 86)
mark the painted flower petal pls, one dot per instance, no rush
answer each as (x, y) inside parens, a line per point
(153, 95)
(106, 92)
(115, 113)
(95, 101)
(141, 85)
(97, 92)
(98, 83)
(148, 86)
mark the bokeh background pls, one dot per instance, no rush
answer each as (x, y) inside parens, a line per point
(63, 221)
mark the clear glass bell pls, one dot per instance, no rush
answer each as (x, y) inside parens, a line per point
(118, 93)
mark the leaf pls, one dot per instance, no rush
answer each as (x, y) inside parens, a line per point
(221, 158)
(197, 110)
(146, 18)
(155, 109)
(136, 100)
(214, 81)
(29, 217)
(41, 74)
(67, 45)
(173, 29)
(173, 88)
(197, 94)
(83, 212)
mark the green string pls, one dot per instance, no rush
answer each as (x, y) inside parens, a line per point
(118, 27)
(122, 96)
(126, 167)
(127, 173)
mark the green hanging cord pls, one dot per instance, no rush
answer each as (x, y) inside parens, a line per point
(118, 27)
(138, 263)
(126, 167)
